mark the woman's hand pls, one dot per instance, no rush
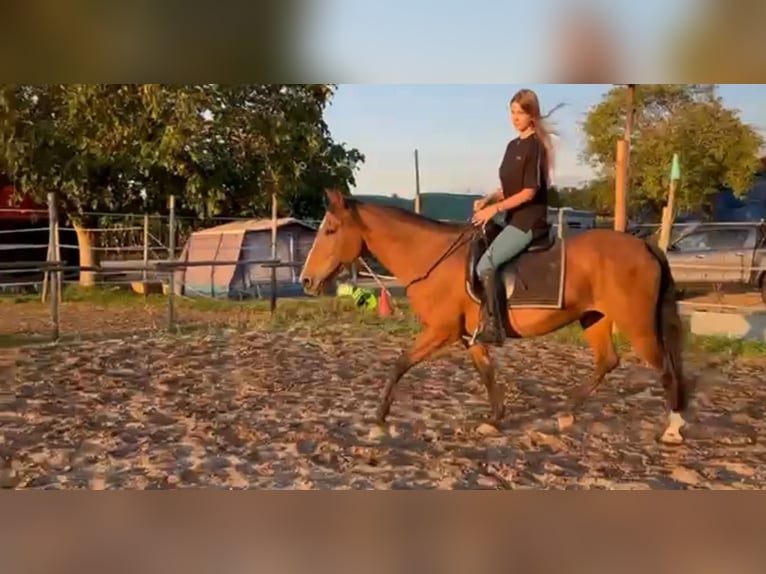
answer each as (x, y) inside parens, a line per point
(479, 204)
(483, 215)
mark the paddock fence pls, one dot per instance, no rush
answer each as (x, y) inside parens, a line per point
(42, 258)
(140, 253)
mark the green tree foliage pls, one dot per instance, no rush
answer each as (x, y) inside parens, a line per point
(715, 147)
(220, 149)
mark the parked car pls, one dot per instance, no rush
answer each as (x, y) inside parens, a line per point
(720, 254)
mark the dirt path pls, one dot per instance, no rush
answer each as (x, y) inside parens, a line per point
(281, 411)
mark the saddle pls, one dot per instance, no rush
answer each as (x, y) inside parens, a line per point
(534, 278)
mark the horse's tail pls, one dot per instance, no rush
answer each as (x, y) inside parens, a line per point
(670, 328)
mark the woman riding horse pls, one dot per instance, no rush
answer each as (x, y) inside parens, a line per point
(522, 198)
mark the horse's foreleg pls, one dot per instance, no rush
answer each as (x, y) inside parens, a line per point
(482, 360)
(426, 344)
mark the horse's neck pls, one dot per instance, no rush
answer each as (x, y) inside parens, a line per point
(405, 248)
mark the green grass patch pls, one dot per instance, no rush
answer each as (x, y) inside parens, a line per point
(322, 316)
(727, 346)
(712, 345)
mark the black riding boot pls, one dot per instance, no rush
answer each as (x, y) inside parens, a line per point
(491, 329)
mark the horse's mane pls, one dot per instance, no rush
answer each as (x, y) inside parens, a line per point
(408, 216)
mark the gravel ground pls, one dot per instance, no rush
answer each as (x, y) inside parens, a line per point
(233, 409)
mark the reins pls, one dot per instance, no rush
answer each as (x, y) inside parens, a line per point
(456, 244)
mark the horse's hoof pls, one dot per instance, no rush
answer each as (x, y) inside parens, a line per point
(672, 434)
(672, 438)
(487, 429)
(564, 421)
(377, 432)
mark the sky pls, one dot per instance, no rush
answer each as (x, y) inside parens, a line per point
(427, 75)
(457, 41)
(460, 131)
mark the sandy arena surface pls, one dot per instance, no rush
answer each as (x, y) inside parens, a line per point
(237, 409)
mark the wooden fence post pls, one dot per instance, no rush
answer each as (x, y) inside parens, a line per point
(145, 274)
(172, 257)
(274, 227)
(668, 212)
(54, 282)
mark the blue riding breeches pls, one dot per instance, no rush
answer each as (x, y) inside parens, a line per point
(508, 244)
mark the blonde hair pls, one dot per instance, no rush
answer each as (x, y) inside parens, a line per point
(530, 103)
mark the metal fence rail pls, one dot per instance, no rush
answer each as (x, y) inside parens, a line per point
(168, 268)
(160, 240)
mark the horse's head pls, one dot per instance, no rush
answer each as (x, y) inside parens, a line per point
(338, 242)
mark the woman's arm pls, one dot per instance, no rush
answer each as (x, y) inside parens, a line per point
(496, 195)
(516, 199)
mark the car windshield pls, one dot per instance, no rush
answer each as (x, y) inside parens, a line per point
(713, 239)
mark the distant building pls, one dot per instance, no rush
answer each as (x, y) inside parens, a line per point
(14, 210)
(23, 234)
(240, 243)
(459, 207)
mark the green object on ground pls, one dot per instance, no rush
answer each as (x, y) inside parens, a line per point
(363, 298)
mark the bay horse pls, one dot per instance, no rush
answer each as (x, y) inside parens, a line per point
(598, 277)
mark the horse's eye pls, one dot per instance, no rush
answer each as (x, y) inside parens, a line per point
(329, 231)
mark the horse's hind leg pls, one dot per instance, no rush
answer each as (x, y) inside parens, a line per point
(598, 333)
(482, 360)
(648, 347)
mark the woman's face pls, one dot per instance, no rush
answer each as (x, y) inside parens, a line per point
(520, 119)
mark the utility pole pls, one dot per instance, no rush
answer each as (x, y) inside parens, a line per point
(629, 113)
(417, 183)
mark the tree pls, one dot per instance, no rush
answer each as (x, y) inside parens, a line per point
(219, 149)
(715, 147)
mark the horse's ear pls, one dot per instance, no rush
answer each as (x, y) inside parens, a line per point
(336, 201)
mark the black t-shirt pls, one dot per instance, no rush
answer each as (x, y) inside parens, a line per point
(523, 166)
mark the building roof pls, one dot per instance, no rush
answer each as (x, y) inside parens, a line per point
(245, 225)
(445, 206)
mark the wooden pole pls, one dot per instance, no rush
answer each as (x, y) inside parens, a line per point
(274, 211)
(620, 211)
(53, 281)
(144, 274)
(668, 212)
(57, 254)
(46, 274)
(417, 183)
(622, 170)
(171, 257)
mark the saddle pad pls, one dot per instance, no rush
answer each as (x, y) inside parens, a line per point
(536, 279)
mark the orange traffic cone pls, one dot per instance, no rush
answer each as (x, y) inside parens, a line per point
(384, 307)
